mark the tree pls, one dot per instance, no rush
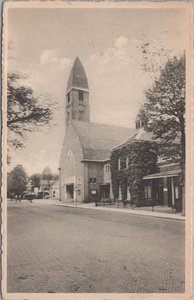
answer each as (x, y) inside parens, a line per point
(47, 175)
(55, 176)
(164, 111)
(24, 111)
(17, 181)
(35, 179)
(154, 57)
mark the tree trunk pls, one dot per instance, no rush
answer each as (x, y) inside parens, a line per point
(183, 200)
(182, 163)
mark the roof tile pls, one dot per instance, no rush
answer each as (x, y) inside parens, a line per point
(98, 140)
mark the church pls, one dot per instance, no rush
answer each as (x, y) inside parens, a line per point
(85, 157)
(101, 161)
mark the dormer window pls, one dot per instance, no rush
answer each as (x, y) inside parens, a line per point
(139, 124)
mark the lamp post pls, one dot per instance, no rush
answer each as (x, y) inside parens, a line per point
(76, 189)
(59, 184)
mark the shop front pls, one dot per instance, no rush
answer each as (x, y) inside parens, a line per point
(163, 188)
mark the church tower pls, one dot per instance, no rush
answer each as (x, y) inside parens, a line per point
(77, 95)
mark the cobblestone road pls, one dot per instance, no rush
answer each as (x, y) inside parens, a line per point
(58, 249)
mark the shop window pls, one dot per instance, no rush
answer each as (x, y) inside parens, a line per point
(147, 191)
(128, 194)
(176, 192)
(120, 193)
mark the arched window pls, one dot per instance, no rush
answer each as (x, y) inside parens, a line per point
(70, 164)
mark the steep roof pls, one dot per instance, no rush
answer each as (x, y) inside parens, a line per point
(139, 135)
(98, 140)
(77, 77)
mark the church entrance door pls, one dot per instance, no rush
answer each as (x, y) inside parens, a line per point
(69, 191)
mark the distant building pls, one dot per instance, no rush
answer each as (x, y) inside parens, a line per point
(45, 185)
(54, 190)
(84, 171)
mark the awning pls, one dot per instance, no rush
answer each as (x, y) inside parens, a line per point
(173, 173)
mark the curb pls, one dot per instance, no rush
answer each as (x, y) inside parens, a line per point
(130, 212)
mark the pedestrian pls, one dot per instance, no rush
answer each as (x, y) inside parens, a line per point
(30, 198)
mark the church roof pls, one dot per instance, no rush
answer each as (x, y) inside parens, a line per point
(98, 140)
(77, 77)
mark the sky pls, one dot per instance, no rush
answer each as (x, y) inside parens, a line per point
(44, 44)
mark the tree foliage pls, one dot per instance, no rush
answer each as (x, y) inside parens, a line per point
(164, 110)
(142, 158)
(35, 180)
(47, 174)
(154, 56)
(17, 181)
(24, 110)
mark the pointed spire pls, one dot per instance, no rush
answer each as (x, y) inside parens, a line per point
(77, 77)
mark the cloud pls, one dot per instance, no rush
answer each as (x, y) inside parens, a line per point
(50, 57)
(118, 53)
(117, 82)
(49, 74)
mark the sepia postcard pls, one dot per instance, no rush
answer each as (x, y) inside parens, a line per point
(97, 160)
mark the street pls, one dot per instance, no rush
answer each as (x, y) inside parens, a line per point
(57, 249)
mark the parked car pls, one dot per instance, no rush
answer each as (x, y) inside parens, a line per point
(29, 196)
(39, 195)
(42, 195)
(46, 194)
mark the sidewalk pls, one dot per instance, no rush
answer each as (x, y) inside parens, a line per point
(136, 211)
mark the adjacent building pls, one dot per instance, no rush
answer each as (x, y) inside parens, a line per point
(141, 176)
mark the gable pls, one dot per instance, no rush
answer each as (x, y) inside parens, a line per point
(71, 143)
